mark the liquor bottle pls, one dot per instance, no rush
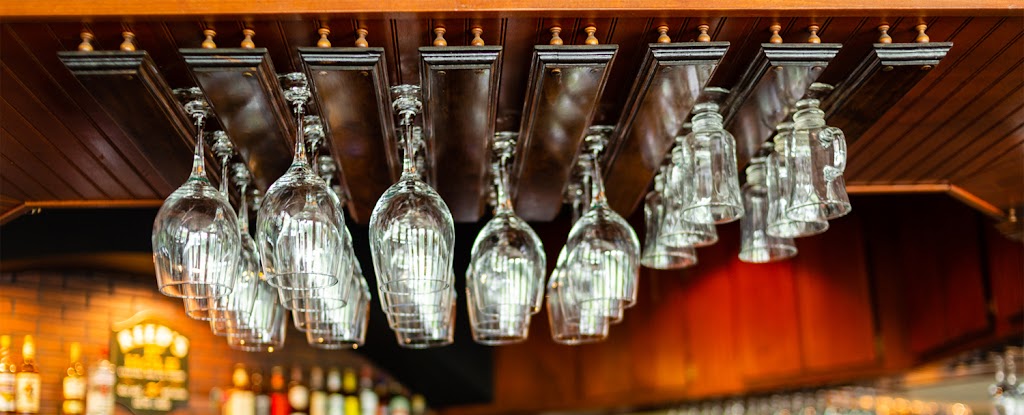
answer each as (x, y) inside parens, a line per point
(383, 398)
(399, 403)
(367, 398)
(7, 369)
(298, 393)
(350, 384)
(262, 405)
(317, 395)
(335, 400)
(419, 405)
(74, 383)
(241, 400)
(99, 396)
(26, 381)
(278, 395)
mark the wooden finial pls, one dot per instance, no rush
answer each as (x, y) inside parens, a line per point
(129, 42)
(247, 41)
(703, 36)
(921, 36)
(323, 42)
(86, 45)
(884, 36)
(361, 38)
(814, 34)
(477, 41)
(439, 40)
(208, 43)
(555, 39)
(591, 40)
(663, 34)
(775, 28)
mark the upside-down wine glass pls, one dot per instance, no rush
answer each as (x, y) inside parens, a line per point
(602, 250)
(505, 278)
(230, 313)
(300, 226)
(195, 234)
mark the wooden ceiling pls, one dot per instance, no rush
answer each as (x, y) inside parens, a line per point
(960, 129)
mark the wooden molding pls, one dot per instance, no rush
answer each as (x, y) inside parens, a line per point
(36, 206)
(957, 192)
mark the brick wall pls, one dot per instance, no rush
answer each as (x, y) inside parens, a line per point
(63, 307)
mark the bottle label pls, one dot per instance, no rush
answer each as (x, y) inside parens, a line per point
(27, 400)
(73, 407)
(74, 388)
(7, 392)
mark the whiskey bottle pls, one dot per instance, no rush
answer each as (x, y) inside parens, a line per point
(99, 396)
(262, 405)
(74, 383)
(317, 395)
(335, 400)
(298, 393)
(26, 381)
(241, 400)
(350, 385)
(278, 393)
(7, 370)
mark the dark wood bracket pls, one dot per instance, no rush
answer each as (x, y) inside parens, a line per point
(460, 104)
(671, 78)
(350, 86)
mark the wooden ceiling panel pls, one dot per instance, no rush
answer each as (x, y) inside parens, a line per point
(23, 160)
(999, 180)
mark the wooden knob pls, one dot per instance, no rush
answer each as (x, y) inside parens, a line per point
(208, 43)
(775, 28)
(361, 38)
(703, 36)
(323, 42)
(129, 42)
(247, 41)
(883, 36)
(591, 40)
(814, 34)
(921, 36)
(477, 41)
(439, 40)
(86, 45)
(555, 39)
(663, 34)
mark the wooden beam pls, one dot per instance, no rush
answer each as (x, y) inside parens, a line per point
(76, 9)
(37, 206)
(954, 191)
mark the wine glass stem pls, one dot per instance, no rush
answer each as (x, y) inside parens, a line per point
(198, 165)
(408, 156)
(597, 183)
(224, 176)
(504, 204)
(243, 210)
(300, 145)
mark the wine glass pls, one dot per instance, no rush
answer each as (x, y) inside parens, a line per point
(265, 327)
(300, 226)
(756, 245)
(506, 271)
(230, 312)
(602, 250)
(570, 323)
(714, 196)
(412, 234)
(195, 234)
(777, 175)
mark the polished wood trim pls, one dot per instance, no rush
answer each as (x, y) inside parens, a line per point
(957, 192)
(136, 263)
(202, 8)
(38, 205)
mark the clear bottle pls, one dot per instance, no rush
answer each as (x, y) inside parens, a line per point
(317, 395)
(99, 397)
(241, 400)
(368, 400)
(335, 400)
(27, 382)
(74, 383)
(298, 393)
(7, 370)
